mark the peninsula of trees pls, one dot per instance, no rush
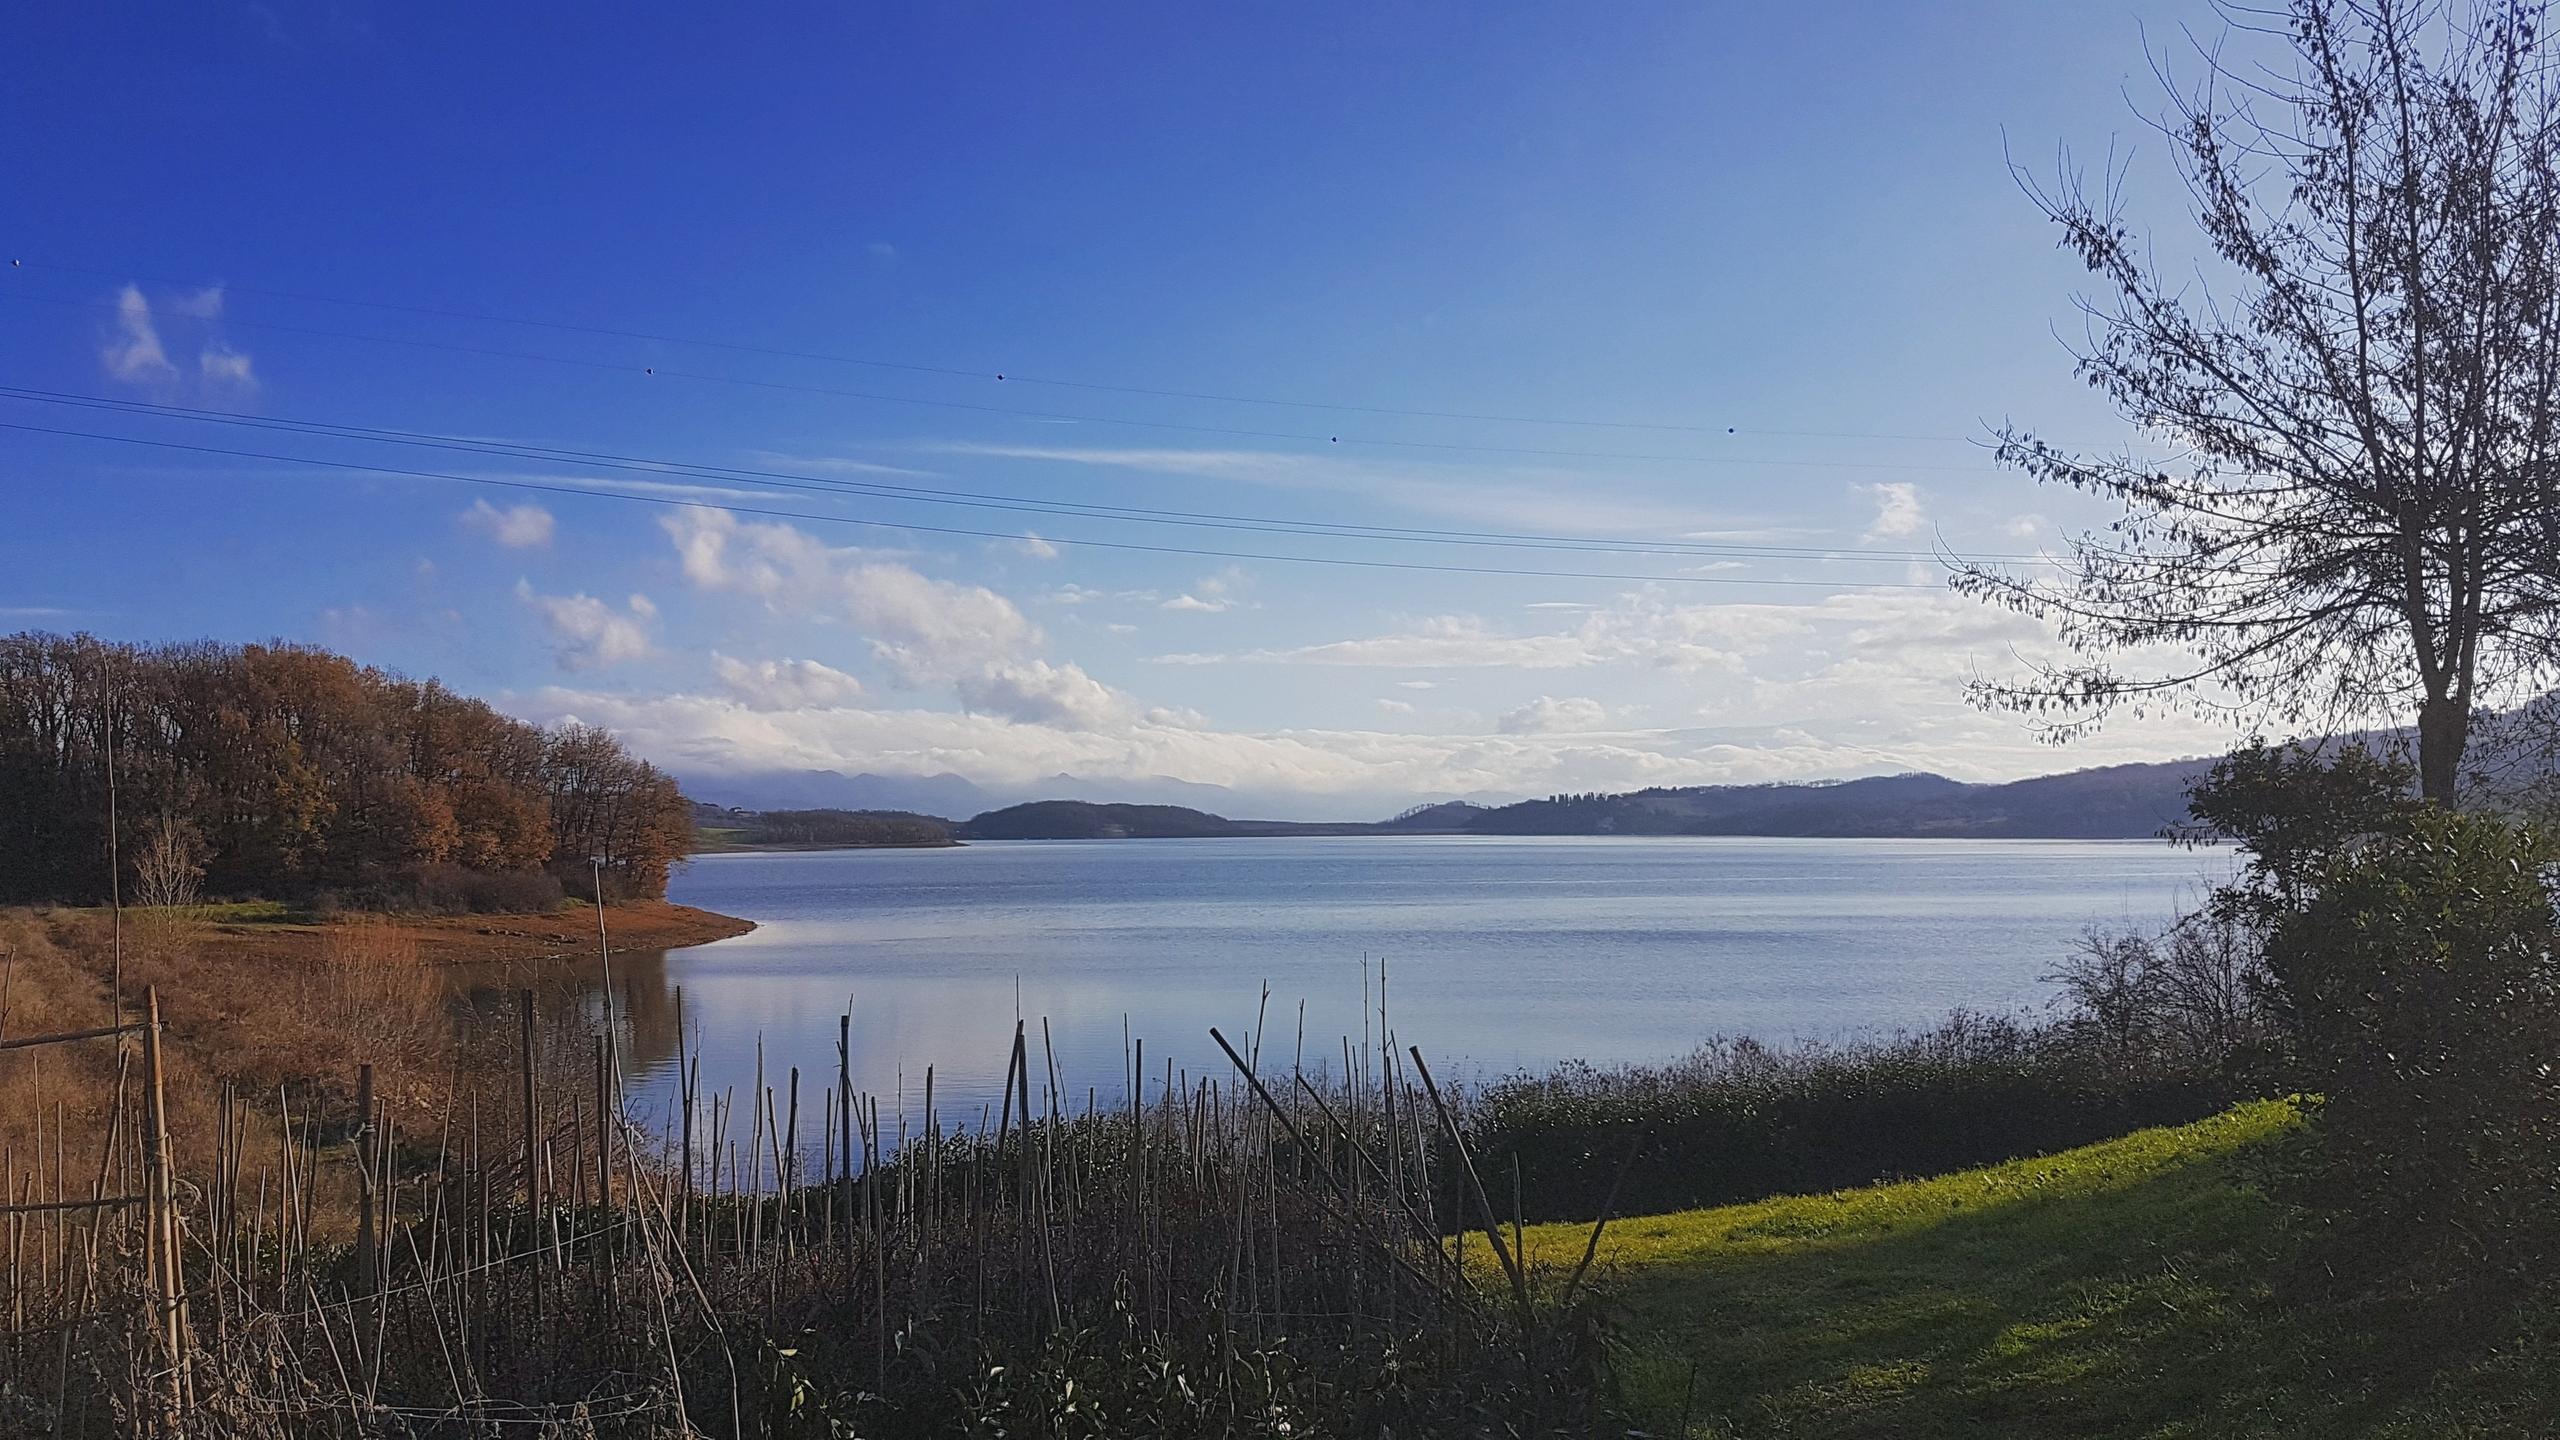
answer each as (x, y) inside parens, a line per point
(288, 771)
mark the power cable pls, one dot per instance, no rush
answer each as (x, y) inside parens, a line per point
(985, 500)
(1061, 417)
(989, 373)
(667, 501)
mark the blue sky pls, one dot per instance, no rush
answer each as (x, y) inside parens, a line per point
(1788, 229)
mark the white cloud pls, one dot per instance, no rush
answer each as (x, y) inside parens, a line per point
(134, 353)
(1196, 605)
(205, 304)
(785, 684)
(1897, 509)
(1073, 594)
(1398, 707)
(1526, 497)
(1339, 771)
(2025, 527)
(224, 367)
(1642, 628)
(829, 464)
(925, 629)
(1417, 684)
(588, 633)
(1034, 547)
(1548, 715)
(1039, 693)
(518, 527)
(674, 489)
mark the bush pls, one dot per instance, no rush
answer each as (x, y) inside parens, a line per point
(456, 890)
(1739, 1121)
(2426, 1008)
(446, 890)
(2192, 999)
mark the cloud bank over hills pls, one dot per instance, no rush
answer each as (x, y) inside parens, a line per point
(834, 662)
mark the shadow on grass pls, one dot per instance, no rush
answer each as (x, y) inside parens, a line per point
(2158, 1306)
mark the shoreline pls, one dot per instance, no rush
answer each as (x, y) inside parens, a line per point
(801, 846)
(565, 934)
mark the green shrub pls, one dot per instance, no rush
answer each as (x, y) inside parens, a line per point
(2425, 995)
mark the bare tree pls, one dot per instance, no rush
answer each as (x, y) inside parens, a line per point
(169, 864)
(2360, 527)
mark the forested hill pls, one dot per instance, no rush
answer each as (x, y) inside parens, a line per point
(1085, 820)
(2114, 802)
(717, 829)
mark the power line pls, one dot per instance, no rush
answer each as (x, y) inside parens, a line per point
(1201, 553)
(988, 373)
(1013, 412)
(984, 500)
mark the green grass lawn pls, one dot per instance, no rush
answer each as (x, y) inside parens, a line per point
(248, 912)
(2131, 1288)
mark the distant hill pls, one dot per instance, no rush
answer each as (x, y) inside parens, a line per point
(717, 829)
(2114, 802)
(950, 794)
(2111, 803)
(1448, 815)
(944, 794)
(1088, 820)
(1085, 820)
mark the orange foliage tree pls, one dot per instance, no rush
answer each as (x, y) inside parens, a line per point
(296, 770)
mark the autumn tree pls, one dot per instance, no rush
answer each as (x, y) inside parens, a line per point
(285, 769)
(2360, 381)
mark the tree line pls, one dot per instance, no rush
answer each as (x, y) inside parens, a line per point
(290, 771)
(837, 827)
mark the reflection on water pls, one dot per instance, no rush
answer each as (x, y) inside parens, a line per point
(1498, 954)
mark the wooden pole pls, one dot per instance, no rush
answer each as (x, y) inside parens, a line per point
(532, 1126)
(162, 1219)
(366, 1249)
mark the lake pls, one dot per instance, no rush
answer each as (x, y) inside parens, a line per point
(1499, 954)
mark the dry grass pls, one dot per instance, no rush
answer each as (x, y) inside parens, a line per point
(286, 1033)
(53, 1099)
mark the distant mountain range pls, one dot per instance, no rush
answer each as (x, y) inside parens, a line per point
(2512, 752)
(2111, 802)
(949, 794)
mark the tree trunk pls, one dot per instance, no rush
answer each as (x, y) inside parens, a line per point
(2444, 727)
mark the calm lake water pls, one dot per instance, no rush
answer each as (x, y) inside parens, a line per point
(1499, 954)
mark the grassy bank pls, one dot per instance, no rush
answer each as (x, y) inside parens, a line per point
(2138, 1287)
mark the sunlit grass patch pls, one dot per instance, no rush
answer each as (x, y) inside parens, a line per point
(2129, 1288)
(1796, 1223)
